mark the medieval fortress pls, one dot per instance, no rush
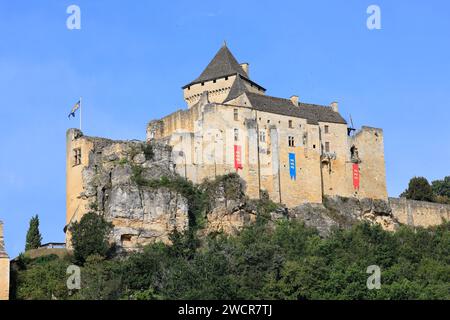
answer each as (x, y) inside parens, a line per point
(302, 156)
(298, 154)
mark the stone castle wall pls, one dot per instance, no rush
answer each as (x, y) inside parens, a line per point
(419, 213)
(203, 135)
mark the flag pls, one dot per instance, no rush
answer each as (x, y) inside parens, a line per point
(75, 108)
(292, 166)
(355, 172)
(237, 157)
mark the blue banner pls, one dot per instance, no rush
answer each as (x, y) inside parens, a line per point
(292, 166)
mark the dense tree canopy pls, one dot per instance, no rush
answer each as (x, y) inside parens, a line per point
(419, 189)
(265, 261)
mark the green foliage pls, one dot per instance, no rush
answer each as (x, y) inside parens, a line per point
(34, 238)
(441, 189)
(419, 189)
(43, 278)
(90, 237)
(285, 261)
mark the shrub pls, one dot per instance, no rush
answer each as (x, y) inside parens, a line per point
(90, 237)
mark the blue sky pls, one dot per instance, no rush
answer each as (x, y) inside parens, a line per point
(129, 61)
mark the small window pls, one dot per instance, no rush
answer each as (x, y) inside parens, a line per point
(189, 88)
(327, 147)
(203, 83)
(236, 134)
(76, 157)
(226, 78)
(291, 141)
(290, 124)
(327, 129)
(262, 136)
(268, 121)
(214, 81)
(236, 114)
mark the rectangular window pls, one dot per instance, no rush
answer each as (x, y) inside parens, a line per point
(291, 142)
(290, 124)
(236, 134)
(327, 129)
(262, 136)
(236, 114)
(327, 147)
(76, 156)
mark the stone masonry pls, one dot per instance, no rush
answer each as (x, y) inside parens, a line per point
(4, 268)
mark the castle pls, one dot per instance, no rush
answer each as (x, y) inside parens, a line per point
(295, 153)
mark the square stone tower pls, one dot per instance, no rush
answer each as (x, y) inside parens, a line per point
(4, 268)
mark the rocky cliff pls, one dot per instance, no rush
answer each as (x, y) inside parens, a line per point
(113, 187)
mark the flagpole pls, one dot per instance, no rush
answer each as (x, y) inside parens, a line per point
(80, 113)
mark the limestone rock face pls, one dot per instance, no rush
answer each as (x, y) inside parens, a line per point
(229, 209)
(114, 186)
(340, 212)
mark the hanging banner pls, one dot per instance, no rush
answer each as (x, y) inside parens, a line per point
(292, 166)
(355, 176)
(237, 157)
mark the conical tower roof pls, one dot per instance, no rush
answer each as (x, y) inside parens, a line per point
(223, 64)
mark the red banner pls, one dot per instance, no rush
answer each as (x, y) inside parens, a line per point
(237, 157)
(355, 176)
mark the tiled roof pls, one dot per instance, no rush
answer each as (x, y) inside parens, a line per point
(223, 64)
(311, 112)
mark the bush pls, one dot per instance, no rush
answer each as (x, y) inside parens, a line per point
(90, 237)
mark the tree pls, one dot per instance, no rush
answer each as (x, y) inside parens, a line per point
(441, 189)
(34, 237)
(419, 189)
(90, 237)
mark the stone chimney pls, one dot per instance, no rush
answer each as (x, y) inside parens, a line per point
(334, 106)
(294, 100)
(244, 66)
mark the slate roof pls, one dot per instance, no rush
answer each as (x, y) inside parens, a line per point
(311, 112)
(223, 64)
(236, 89)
